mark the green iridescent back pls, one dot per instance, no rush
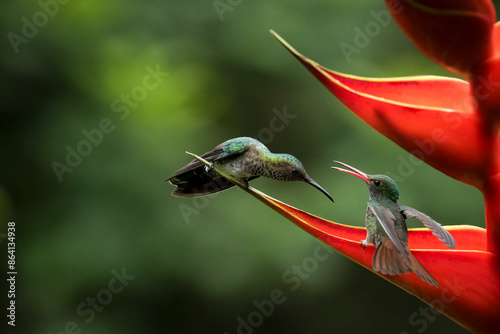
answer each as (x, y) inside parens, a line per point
(240, 144)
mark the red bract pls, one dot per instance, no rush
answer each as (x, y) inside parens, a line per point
(453, 33)
(451, 124)
(485, 82)
(469, 275)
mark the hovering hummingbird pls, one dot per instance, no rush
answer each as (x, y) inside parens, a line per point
(386, 227)
(245, 159)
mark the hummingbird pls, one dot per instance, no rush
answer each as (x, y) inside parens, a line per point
(245, 159)
(386, 227)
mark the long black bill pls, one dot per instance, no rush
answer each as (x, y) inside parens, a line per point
(317, 186)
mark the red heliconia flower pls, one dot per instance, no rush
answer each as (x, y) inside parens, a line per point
(451, 124)
(469, 275)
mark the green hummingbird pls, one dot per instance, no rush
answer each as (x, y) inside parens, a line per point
(386, 227)
(245, 159)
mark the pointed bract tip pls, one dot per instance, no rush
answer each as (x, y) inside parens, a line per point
(285, 43)
(317, 186)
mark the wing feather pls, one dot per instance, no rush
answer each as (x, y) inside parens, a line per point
(388, 223)
(221, 151)
(431, 224)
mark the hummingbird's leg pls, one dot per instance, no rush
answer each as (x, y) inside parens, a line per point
(245, 183)
(366, 241)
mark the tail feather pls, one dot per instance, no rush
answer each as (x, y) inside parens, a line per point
(421, 272)
(388, 260)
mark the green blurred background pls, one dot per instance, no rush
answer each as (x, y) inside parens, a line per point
(196, 266)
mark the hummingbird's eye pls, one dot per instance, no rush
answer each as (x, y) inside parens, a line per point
(376, 182)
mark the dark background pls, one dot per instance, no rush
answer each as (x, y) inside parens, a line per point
(196, 266)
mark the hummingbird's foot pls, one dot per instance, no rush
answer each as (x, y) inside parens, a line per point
(209, 168)
(365, 243)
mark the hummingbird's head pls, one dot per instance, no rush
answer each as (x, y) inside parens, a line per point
(380, 186)
(289, 168)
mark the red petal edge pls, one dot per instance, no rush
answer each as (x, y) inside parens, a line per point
(433, 118)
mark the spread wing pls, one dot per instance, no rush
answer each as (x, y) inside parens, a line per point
(431, 224)
(388, 223)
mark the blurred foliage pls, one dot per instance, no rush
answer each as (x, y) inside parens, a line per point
(90, 62)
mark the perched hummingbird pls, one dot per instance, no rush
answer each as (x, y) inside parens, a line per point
(245, 159)
(386, 227)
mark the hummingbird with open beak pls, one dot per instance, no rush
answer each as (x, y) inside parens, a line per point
(245, 159)
(386, 227)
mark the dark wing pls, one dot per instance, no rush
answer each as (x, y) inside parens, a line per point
(197, 179)
(201, 185)
(431, 224)
(388, 223)
(195, 163)
(219, 152)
